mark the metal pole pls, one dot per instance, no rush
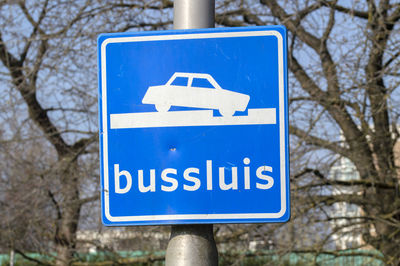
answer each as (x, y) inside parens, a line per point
(12, 257)
(192, 244)
(194, 14)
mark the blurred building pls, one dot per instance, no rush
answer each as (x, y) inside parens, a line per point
(346, 232)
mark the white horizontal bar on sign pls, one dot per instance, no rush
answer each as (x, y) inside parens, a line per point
(159, 119)
(259, 116)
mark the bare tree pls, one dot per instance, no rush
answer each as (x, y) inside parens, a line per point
(49, 79)
(344, 62)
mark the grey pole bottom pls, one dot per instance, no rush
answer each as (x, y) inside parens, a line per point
(192, 245)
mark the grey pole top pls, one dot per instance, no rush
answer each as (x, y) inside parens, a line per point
(194, 14)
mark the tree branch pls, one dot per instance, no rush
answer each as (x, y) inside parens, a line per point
(35, 27)
(377, 91)
(395, 15)
(352, 12)
(363, 183)
(316, 141)
(81, 144)
(332, 199)
(28, 92)
(89, 199)
(39, 262)
(293, 26)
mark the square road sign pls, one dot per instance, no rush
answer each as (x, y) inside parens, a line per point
(194, 126)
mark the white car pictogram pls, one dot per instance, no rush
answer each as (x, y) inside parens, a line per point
(195, 90)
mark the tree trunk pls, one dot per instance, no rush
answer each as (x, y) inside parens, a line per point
(67, 226)
(385, 233)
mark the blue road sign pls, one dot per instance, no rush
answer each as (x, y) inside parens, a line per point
(194, 126)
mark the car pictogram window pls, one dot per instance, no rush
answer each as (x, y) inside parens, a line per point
(201, 83)
(180, 81)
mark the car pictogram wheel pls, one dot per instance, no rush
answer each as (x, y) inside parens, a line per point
(162, 107)
(227, 111)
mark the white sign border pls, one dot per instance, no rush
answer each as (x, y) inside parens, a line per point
(174, 217)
